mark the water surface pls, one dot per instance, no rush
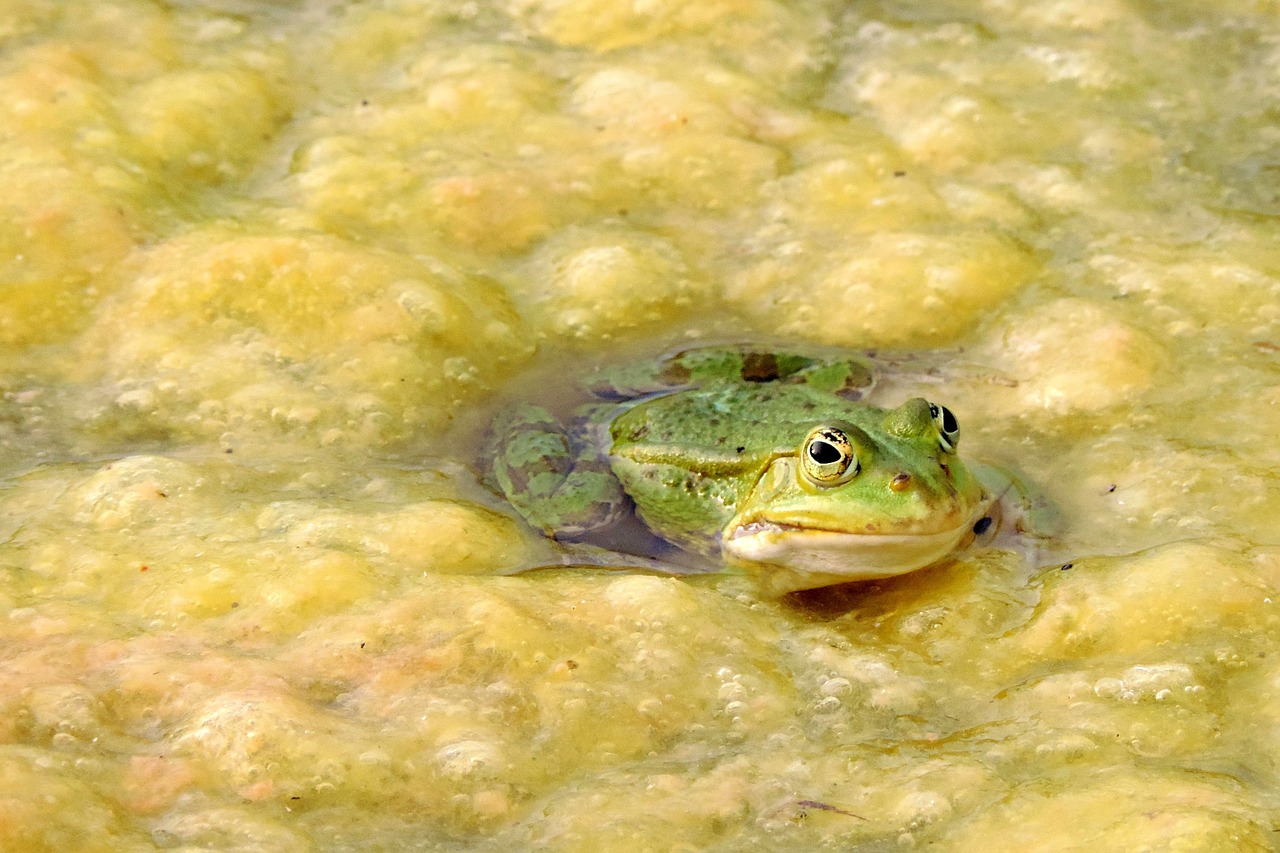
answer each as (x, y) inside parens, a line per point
(262, 263)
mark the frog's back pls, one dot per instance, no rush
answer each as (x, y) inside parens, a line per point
(730, 421)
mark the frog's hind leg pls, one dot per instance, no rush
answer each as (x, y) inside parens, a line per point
(555, 478)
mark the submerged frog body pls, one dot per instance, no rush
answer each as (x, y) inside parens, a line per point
(766, 459)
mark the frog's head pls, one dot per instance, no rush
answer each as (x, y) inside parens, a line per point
(856, 503)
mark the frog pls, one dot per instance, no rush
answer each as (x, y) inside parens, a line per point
(765, 462)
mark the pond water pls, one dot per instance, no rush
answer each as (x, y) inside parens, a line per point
(266, 267)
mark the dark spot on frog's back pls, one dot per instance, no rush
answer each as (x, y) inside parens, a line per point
(675, 373)
(857, 382)
(759, 367)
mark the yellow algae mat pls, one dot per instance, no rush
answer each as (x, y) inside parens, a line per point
(266, 266)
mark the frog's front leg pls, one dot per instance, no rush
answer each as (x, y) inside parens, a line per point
(555, 478)
(849, 377)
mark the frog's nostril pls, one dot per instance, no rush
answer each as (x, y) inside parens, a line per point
(900, 482)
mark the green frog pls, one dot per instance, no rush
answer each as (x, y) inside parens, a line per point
(767, 462)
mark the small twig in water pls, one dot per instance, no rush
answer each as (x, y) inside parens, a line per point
(827, 807)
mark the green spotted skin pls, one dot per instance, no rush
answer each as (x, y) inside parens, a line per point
(697, 368)
(693, 462)
(561, 480)
(690, 460)
(712, 445)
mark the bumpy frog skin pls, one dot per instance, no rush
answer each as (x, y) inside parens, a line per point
(762, 458)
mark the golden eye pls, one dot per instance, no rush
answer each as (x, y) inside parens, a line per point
(948, 427)
(827, 457)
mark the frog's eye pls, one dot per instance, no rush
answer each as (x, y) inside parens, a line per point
(828, 458)
(948, 428)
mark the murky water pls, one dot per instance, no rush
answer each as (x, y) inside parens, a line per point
(265, 267)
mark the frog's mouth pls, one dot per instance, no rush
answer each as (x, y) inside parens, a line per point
(817, 557)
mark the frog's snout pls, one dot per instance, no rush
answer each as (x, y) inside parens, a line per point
(901, 483)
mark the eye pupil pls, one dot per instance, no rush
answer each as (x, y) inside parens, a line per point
(824, 453)
(949, 424)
